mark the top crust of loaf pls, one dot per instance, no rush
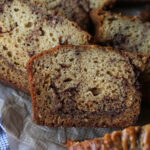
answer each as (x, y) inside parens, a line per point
(117, 140)
(43, 119)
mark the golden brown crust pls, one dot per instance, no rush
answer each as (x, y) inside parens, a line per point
(132, 138)
(71, 122)
(97, 20)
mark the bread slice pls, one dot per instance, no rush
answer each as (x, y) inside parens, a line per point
(88, 86)
(75, 10)
(132, 138)
(122, 32)
(26, 30)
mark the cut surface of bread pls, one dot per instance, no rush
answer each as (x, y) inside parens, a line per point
(75, 10)
(122, 32)
(89, 86)
(26, 30)
(132, 138)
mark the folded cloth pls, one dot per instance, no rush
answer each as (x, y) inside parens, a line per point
(3, 138)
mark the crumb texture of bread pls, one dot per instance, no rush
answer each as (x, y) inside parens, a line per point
(26, 30)
(132, 138)
(88, 86)
(18, 79)
(75, 10)
(122, 32)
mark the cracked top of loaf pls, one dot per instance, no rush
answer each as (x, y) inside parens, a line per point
(132, 138)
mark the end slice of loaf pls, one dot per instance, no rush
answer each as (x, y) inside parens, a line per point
(122, 32)
(132, 138)
(88, 86)
(75, 10)
(26, 30)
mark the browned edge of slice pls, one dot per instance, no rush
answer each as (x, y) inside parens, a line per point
(29, 66)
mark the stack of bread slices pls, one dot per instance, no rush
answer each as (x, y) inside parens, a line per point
(74, 81)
